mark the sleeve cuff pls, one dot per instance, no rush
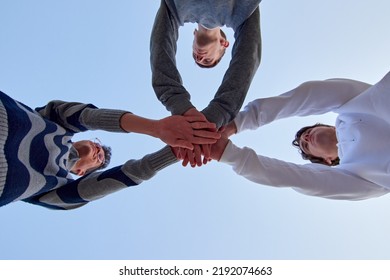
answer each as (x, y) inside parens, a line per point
(105, 119)
(231, 153)
(145, 168)
(162, 158)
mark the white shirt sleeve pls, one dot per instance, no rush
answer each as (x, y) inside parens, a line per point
(310, 179)
(310, 98)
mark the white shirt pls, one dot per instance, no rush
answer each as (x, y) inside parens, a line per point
(362, 129)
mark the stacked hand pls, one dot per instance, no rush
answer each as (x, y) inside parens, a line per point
(208, 151)
(185, 132)
(194, 156)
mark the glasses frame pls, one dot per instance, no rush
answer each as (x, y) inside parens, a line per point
(101, 152)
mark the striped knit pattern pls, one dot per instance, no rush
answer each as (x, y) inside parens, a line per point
(3, 138)
(34, 149)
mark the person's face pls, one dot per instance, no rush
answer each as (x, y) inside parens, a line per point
(91, 156)
(320, 141)
(205, 50)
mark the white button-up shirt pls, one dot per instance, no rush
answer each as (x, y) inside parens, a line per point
(362, 129)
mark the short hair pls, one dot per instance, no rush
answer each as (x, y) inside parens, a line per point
(218, 60)
(306, 156)
(107, 159)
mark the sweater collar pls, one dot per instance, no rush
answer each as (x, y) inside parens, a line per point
(73, 157)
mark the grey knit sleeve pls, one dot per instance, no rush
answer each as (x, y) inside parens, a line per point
(166, 80)
(77, 117)
(246, 55)
(99, 184)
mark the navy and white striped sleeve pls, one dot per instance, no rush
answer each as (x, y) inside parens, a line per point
(96, 185)
(78, 117)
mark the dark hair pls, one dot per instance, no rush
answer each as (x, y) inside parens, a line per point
(107, 157)
(218, 60)
(305, 156)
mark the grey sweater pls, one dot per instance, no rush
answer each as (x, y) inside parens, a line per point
(34, 154)
(243, 17)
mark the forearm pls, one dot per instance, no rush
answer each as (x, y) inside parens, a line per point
(166, 79)
(136, 124)
(246, 55)
(310, 179)
(310, 98)
(99, 184)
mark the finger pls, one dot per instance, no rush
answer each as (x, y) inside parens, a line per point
(176, 152)
(206, 151)
(207, 134)
(198, 155)
(181, 153)
(195, 118)
(190, 157)
(200, 141)
(183, 144)
(203, 125)
(185, 161)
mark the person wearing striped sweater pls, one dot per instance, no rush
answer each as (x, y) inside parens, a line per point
(37, 154)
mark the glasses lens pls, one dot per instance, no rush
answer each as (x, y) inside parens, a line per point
(101, 156)
(100, 153)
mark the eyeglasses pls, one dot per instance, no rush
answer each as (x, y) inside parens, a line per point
(100, 151)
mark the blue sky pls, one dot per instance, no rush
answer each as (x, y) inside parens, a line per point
(98, 52)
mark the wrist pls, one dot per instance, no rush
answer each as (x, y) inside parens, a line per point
(136, 124)
(230, 129)
(190, 112)
(224, 144)
(154, 128)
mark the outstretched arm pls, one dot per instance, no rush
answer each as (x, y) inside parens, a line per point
(176, 131)
(310, 98)
(96, 185)
(310, 179)
(245, 60)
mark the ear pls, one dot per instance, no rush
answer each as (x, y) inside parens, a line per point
(80, 172)
(224, 43)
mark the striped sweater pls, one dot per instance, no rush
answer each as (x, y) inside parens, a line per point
(34, 150)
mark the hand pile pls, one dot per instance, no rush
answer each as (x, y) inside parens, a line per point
(205, 137)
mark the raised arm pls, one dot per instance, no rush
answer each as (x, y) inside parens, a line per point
(246, 54)
(166, 79)
(310, 98)
(176, 131)
(94, 186)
